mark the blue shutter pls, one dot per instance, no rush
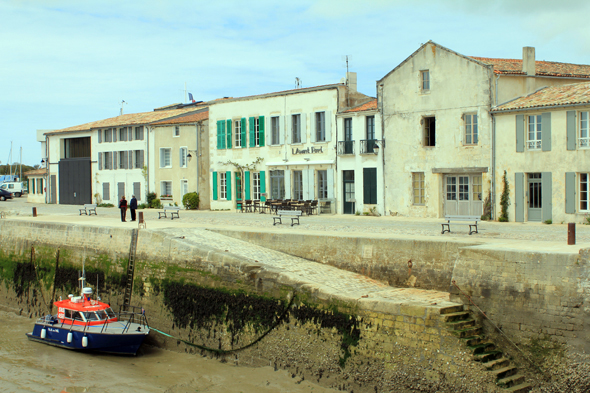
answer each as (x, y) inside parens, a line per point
(262, 187)
(546, 194)
(228, 185)
(519, 197)
(215, 184)
(570, 192)
(252, 132)
(546, 133)
(247, 184)
(520, 134)
(571, 131)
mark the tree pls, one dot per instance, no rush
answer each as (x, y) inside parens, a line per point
(504, 200)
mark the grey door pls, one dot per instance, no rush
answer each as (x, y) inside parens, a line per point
(463, 195)
(53, 191)
(535, 197)
(75, 186)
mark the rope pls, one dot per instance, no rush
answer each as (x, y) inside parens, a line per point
(224, 351)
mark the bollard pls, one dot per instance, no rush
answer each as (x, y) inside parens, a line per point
(34, 212)
(140, 215)
(571, 233)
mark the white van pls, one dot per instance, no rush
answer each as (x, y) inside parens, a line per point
(15, 187)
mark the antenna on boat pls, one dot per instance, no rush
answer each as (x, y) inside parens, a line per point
(97, 297)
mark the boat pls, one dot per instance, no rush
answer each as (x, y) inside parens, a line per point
(86, 324)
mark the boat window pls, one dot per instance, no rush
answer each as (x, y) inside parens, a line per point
(68, 314)
(77, 316)
(111, 313)
(101, 314)
(90, 316)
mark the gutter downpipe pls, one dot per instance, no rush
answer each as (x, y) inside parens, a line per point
(335, 194)
(380, 102)
(493, 201)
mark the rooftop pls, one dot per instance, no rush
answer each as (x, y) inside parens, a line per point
(367, 106)
(574, 94)
(542, 68)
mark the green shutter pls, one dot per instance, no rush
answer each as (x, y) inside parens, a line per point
(243, 132)
(238, 190)
(570, 191)
(222, 133)
(228, 134)
(247, 184)
(228, 185)
(571, 131)
(219, 136)
(261, 123)
(547, 193)
(262, 187)
(546, 132)
(520, 134)
(519, 197)
(215, 184)
(252, 136)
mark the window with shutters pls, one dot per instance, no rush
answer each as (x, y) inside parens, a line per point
(277, 184)
(418, 187)
(320, 126)
(165, 161)
(298, 185)
(166, 189)
(176, 131)
(183, 159)
(257, 131)
(429, 124)
(238, 133)
(425, 81)
(256, 185)
(322, 184)
(471, 129)
(584, 192)
(584, 138)
(275, 130)
(39, 186)
(222, 185)
(296, 128)
(534, 132)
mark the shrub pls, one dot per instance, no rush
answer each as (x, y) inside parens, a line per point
(548, 222)
(191, 201)
(504, 200)
(105, 205)
(142, 206)
(150, 198)
(155, 204)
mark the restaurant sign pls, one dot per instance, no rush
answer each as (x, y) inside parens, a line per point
(309, 150)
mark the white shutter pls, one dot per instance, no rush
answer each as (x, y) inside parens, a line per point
(303, 127)
(304, 179)
(328, 121)
(330, 173)
(161, 158)
(288, 184)
(282, 130)
(312, 125)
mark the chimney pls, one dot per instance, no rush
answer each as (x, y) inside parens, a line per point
(351, 79)
(528, 60)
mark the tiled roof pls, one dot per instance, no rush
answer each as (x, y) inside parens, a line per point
(128, 120)
(36, 172)
(574, 94)
(190, 118)
(543, 68)
(367, 106)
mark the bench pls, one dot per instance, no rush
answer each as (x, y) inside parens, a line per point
(472, 227)
(293, 214)
(88, 209)
(170, 209)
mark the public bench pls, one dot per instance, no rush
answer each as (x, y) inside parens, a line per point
(293, 214)
(454, 219)
(88, 209)
(173, 210)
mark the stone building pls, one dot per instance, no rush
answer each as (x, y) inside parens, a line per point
(543, 144)
(440, 154)
(278, 145)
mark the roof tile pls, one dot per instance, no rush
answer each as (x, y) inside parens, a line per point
(574, 94)
(543, 68)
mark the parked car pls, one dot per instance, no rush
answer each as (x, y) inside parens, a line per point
(16, 187)
(4, 195)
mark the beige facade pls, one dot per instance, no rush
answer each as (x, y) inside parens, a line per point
(37, 185)
(181, 158)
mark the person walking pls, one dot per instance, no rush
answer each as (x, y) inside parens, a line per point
(133, 207)
(123, 207)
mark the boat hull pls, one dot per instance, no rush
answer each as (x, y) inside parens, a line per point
(117, 337)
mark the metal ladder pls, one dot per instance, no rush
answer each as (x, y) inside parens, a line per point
(131, 267)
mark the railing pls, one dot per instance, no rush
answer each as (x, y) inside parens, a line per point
(367, 146)
(584, 142)
(534, 145)
(345, 147)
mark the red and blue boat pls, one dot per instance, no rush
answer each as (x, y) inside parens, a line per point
(87, 324)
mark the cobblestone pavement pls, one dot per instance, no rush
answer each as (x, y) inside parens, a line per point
(327, 280)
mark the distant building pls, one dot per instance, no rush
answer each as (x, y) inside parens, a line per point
(37, 185)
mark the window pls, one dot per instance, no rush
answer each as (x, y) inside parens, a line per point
(138, 159)
(257, 131)
(39, 186)
(166, 189)
(471, 132)
(463, 188)
(222, 185)
(451, 188)
(123, 134)
(476, 188)
(165, 158)
(122, 160)
(238, 133)
(108, 160)
(322, 184)
(277, 184)
(584, 139)
(320, 126)
(298, 185)
(256, 185)
(429, 131)
(275, 130)
(370, 133)
(534, 132)
(138, 133)
(296, 128)
(108, 135)
(584, 191)
(176, 130)
(348, 141)
(418, 187)
(183, 153)
(425, 79)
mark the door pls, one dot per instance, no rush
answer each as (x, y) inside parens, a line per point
(451, 208)
(348, 191)
(183, 188)
(75, 186)
(463, 195)
(348, 142)
(535, 197)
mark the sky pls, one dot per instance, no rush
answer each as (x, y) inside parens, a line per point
(65, 63)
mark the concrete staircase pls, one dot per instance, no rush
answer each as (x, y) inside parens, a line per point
(461, 324)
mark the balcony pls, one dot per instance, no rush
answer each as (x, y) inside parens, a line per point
(345, 148)
(367, 146)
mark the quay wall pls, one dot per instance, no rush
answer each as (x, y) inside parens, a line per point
(530, 294)
(222, 301)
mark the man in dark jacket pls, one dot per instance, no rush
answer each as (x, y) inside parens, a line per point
(133, 207)
(123, 207)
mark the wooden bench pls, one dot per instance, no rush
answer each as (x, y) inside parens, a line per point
(88, 209)
(293, 214)
(472, 227)
(170, 209)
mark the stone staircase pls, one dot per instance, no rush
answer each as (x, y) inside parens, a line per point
(461, 324)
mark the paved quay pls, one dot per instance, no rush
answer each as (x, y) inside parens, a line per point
(198, 228)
